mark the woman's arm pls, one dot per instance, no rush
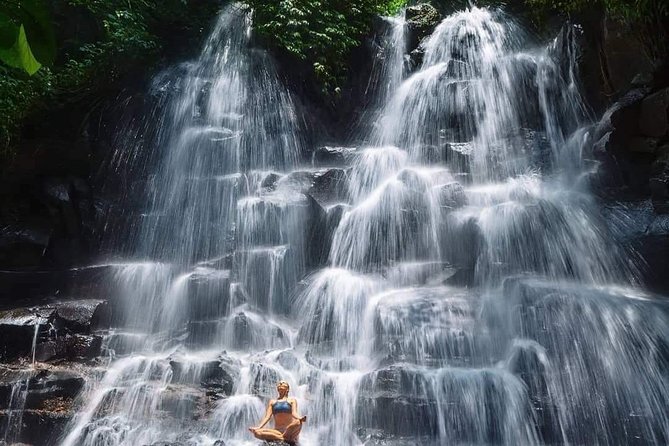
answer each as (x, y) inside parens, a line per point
(268, 415)
(294, 412)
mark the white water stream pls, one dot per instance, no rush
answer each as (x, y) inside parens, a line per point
(468, 292)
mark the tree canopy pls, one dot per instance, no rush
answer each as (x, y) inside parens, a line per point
(320, 32)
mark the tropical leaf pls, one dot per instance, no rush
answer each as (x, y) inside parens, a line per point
(34, 16)
(27, 39)
(20, 55)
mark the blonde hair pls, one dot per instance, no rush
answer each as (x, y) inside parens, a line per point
(284, 382)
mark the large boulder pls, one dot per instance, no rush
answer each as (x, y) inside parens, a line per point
(19, 329)
(25, 287)
(55, 330)
(69, 347)
(654, 116)
(332, 156)
(330, 186)
(23, 245)
(211, 375)
(83, 315)
(421, 20)
(599, 321)
(444, 318)
(42, 427)
(470, 406)
(529, 362)
(47, 398)
(48, 385)
(628, 143)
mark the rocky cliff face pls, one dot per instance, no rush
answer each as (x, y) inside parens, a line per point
(54, 211)
(632, 145)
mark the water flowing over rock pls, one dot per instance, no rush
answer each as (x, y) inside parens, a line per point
(449, 280)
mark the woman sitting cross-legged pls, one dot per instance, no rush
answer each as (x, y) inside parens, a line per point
(287, 423)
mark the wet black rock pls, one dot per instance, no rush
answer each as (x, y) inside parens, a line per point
(58, 330)
(326, 185)
(452, 195)
(416, 58)
(332, 156)
(264, 382)
(267, 274)
(210, 375)
(654, 114)
(330, 186)
(45, 221)
(642, 144)
(181, 402)
(201, 333)
(528, 360)
(624, 114)
(49, 386)
(421, 20)
(317, 231)
(245, 329)
(269, 182)
(454, 154)
(325, 234)
(83, 315)
(644, 232)
(42, 427)
(390, 401)
(208, 293)
(288, 360)
(462, 244)
(629, 140)
(26, 287)
(47, 398)
(69, 347)
(23, 245)
(18, 329)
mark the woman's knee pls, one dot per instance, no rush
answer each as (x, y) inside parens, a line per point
(292, 431)
(268, 434)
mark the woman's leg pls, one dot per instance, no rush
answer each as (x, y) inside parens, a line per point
(268, 434)
(292, 431)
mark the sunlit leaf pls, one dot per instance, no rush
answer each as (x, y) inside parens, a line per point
(20, 55)
(38, 27)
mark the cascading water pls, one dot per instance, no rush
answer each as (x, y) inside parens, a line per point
(453, 286)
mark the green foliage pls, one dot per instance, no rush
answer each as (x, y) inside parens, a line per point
(320, 32)
(99, 42)
(18, 93)
(393, 7)
(625, 9)
(647, 19)
(26, 35)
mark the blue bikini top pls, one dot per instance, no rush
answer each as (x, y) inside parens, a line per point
(281, 407)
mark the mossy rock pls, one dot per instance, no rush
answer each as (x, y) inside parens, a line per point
(421, 20)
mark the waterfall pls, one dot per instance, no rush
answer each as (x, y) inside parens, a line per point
(451, 282)
(389, 64)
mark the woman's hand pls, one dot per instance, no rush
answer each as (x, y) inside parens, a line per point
(303, 419)
(253, 429)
